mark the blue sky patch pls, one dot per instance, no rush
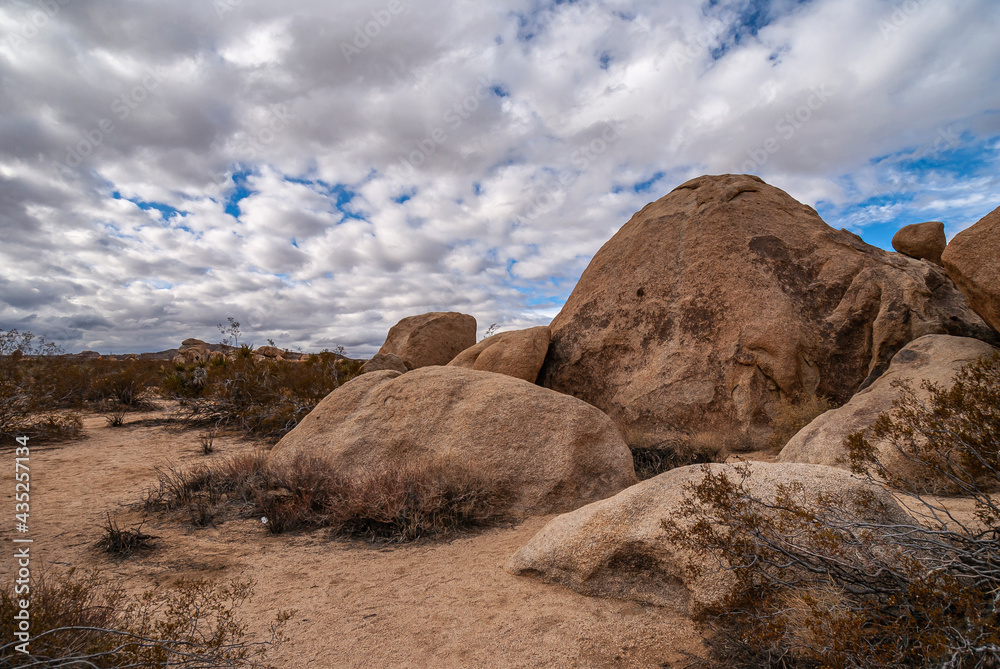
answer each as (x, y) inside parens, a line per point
(240, 192)
(166, 211)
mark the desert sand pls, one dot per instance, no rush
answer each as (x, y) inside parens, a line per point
(443, 603)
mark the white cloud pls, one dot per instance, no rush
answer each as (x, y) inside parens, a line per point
(393, 180)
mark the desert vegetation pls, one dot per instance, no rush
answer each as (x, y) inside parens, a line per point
(43, 391)
(791, 416)
(391, 504)
(652, 457)
(814, 582)
(260, 396)
(90, 621)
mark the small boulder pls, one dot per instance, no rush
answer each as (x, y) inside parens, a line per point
(193, 342)
(548, 451)
(923, 241)
(195, 354)
(618, 548)
(972, 260)
(934, 358)
(383, 361)
(519, 353)
(272, 352)
(430, 339)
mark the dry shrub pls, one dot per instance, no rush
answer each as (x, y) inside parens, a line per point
(263, 397)
(39, 387)
(948, 443)
(90, 621)
(791, 416)
(207, 441)
(652, 457)
(126, 383)
(115, 415)
(386, 504)
(124, 541)
(822, 582)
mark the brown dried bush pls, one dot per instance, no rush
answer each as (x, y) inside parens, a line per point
(89, 621)
(384, 505)
(815, 585)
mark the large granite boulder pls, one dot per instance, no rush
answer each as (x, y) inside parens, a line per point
(719, 304)
(551, 452)
(972, 259)
(519, 353)
(933, 358)
(923, 241)
(430, 339)
(618, 547)
(383, 361)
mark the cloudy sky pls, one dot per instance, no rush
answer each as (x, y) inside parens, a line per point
(318, 170)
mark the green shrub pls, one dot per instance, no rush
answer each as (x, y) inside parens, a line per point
(813, 585)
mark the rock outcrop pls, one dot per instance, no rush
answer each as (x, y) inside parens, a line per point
(430, 339)
(519, 353)
(383, 361)
(972, 259)
(618, 548)
(725, 299)
(195, 353)
(934, 358)
(923, 241)
(550, 451)
(272, 352)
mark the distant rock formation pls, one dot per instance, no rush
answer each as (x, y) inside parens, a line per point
(973, 261)
(726, 298)
(923, 241)
(519, 353)
(430, 339)
(552, 452)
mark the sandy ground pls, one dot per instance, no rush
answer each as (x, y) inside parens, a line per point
(432, 604)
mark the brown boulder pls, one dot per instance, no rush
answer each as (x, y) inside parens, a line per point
(193, 342)
(551, 451)
(430, 339)
(617, 547)
(923, 241)
(383, 361)
(272, 352)
(934, 358)
(519, 353)
(716, 305)
(972, 259)
(195, 354)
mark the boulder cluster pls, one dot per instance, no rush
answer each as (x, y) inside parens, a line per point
(704, 317)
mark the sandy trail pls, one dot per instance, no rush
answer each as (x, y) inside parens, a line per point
(432, 604)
